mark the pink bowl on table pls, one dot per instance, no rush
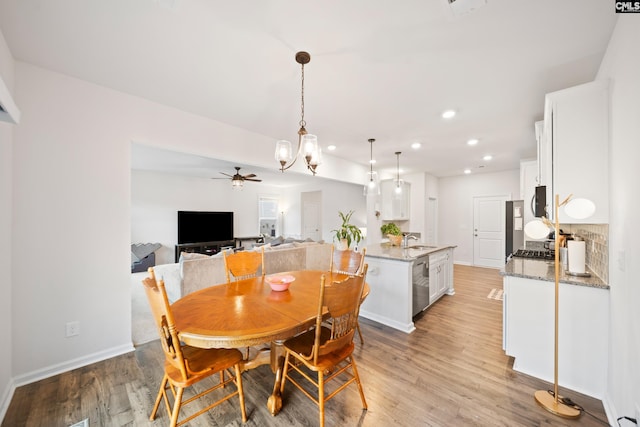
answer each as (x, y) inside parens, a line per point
(280, 282)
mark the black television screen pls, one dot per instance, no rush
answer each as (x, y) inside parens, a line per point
(196, 227)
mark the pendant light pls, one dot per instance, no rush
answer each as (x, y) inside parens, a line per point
(373, 185)
(307, 143)
(399, 182)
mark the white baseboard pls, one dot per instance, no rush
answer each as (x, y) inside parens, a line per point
(404, 327)
(6, 398)
(610, 410)
(68, 365)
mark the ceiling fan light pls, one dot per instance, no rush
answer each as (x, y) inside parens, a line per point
(237, 184)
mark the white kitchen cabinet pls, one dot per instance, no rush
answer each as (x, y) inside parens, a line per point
(440, 275)
(528, 183)
(544, 155)
(576, 131)
(528, 333)
(395, 205)
(389, 301)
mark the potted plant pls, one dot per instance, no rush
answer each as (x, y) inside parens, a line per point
(392, 231)
(347, 233)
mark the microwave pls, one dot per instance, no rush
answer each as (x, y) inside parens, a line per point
(539, 202)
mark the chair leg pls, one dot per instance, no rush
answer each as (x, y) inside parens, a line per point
(357, 377)
(285, 369)
(176, 407)
(321, 397)
(240, 392)
(359, 333)
(161, 392)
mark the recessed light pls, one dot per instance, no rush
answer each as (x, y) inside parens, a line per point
(331, 147)
(487, 157)
(472, 141)
(448, 114)
(467, 171)
(416, 145)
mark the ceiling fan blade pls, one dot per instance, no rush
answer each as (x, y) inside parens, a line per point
(226, 174)
(253, 179)
(251, 175)
(220, 178)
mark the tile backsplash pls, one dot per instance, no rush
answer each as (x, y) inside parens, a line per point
(596, 237)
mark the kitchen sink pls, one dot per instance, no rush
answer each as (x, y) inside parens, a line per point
(422, 247)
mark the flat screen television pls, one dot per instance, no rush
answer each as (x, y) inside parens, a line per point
(198, 226)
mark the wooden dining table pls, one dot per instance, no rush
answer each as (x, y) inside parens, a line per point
(248, 313)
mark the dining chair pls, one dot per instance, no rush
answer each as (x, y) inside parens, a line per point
(184, 365)
(243, 264)
(327, 349)
(348, 262)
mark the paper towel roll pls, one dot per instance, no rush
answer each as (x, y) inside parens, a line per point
(576, 249)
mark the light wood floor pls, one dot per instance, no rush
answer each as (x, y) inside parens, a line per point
(450, 372)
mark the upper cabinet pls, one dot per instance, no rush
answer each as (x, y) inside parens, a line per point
(576, 148)
(395, 200)
(528, 183)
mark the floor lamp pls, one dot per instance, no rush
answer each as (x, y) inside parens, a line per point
(578, 209)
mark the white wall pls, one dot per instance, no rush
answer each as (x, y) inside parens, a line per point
(6, 389)
(621, 66)
(156, 198)
(336, 196)
(72, 210)
(455, 206)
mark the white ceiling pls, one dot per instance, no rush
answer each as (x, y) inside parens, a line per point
(379, 69)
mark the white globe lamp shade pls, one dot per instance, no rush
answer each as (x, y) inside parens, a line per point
(579, 208)
(536, 229)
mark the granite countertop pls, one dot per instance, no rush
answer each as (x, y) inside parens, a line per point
(415, 250)
(544, 270)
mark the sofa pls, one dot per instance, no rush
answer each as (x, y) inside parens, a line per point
(198, 271)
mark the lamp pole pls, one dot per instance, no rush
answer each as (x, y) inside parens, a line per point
(554, 403)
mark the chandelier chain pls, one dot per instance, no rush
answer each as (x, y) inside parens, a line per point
(302, 122)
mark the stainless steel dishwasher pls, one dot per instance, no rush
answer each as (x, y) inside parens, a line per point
(420, 281)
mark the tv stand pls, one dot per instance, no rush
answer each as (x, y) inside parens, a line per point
(207, 248)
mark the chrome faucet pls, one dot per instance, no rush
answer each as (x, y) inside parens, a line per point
(405, 239)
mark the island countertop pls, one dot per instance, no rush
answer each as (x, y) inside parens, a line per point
(544, 270)
(387, 251)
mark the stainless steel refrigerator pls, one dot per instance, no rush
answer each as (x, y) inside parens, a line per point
(514, 230)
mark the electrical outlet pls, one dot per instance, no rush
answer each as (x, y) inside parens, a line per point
(73, 329)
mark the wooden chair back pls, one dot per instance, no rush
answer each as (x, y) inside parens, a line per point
(243, 264)
(163, 317)
(342, 300)
(347, 262)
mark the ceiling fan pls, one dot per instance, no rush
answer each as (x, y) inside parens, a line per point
(237, 180)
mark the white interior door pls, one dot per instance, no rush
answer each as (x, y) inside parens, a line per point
(311, 216)
(489, 231)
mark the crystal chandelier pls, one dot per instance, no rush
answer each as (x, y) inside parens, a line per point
(307, 143)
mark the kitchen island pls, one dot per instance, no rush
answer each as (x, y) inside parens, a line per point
(529, 318)
(404, 281)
